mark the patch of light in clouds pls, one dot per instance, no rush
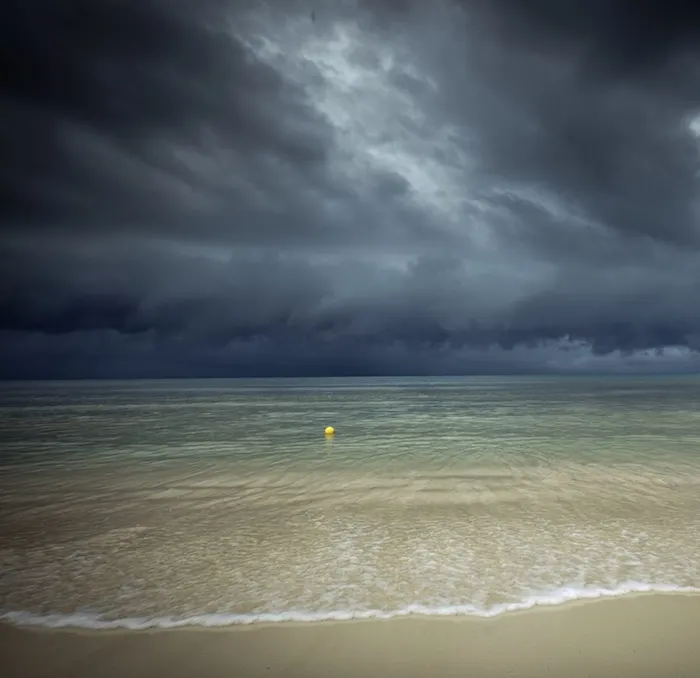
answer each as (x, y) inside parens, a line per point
(351, 77)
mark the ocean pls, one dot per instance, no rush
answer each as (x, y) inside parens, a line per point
(215, 502)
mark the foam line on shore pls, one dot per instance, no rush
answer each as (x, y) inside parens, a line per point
(95, 621)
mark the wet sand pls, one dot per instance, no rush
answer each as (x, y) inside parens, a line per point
(648, 635)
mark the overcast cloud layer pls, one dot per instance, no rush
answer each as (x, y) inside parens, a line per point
(231, 188)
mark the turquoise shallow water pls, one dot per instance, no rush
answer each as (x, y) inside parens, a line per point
(221, 502)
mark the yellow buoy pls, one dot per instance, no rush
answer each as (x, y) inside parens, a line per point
(330, 431)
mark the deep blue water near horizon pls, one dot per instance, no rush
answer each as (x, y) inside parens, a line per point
(220, 500)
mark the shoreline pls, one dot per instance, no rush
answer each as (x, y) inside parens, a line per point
(93, 622)
(640, 634)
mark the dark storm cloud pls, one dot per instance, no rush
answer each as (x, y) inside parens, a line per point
(102, 90)
(590, 101)
(154, 117)
(619, 37)
(184, 192)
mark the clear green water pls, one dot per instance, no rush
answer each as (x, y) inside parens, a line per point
(223, 502)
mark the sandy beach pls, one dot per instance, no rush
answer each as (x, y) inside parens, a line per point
(533, 528)
(642, 636)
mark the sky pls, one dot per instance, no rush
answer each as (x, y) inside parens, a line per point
(349, 187)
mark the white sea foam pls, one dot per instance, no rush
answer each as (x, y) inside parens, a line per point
(94, 621)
